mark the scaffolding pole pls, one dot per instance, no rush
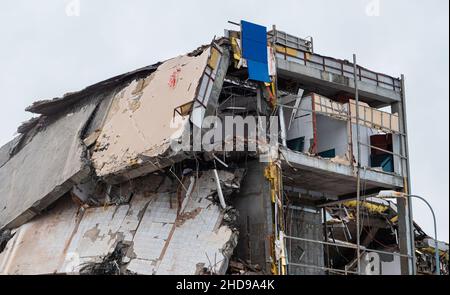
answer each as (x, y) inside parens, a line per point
(340, 244)
(358, 173)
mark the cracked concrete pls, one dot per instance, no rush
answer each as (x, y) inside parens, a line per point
(161, 240)
(57, 153)
(131, 134)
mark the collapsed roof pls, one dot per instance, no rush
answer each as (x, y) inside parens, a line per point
(113, 118)
(90, 143)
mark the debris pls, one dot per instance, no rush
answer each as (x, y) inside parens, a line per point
(240, 267)
(220, 161)
(111, 264)
(5, 236)
(144, 235)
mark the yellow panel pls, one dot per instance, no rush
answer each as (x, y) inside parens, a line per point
(287, 50)
(236, 49)
(395, 125)
(373, 208)
(291, 52)
(186, 109)
(214, 58)
(281, 49)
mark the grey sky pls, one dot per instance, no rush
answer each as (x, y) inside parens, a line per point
(44, 54)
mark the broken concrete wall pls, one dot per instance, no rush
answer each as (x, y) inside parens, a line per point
(49, 155)
(41, 244)
(164, 230)
(150, 114)
(6, 151)
(45, 168)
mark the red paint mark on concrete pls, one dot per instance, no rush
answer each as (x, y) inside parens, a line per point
(174, 78)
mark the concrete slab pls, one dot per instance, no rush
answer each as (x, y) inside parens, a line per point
(45, 168)
(161, 239)
(143, 123)
(40, 246)
(329, 84)
(325, 176)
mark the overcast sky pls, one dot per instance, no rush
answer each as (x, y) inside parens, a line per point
(51, 47)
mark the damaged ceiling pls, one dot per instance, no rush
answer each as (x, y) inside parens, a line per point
(152, 230)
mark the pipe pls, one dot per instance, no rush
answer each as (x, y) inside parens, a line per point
(219, 190)
(188, 194)
(220, 161)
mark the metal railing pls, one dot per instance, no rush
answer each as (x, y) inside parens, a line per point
(340, 67)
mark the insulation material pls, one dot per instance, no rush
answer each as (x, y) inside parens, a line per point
(272, 61)
(327, 106)
(237, 53)
(160, 238)
(374, 118)
(142, 123)
(368, 116)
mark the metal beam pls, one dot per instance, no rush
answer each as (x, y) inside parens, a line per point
(406, 226)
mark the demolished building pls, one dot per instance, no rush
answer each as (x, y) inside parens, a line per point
(121, 177)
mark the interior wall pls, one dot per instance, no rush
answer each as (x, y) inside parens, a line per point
(331, 134)
(302, 126)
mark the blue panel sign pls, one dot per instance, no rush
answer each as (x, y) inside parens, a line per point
(254, 50)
